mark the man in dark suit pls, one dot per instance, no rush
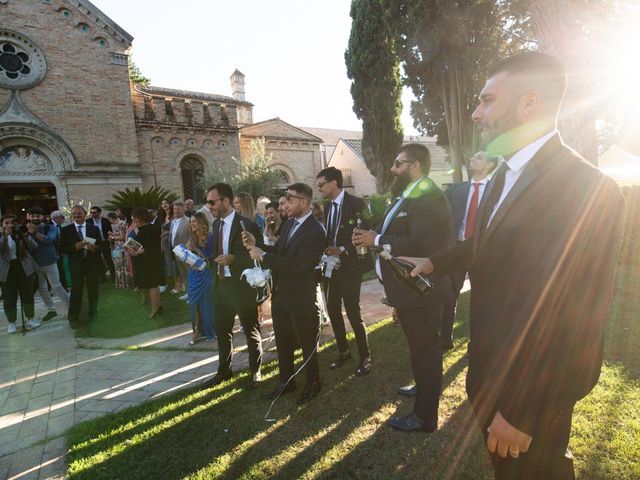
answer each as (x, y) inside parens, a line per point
(104, 226)
(343, 284)
(464, 199)
(542, 262)
(80, 241)
(418, 221)
(232, 294)
(293, 261)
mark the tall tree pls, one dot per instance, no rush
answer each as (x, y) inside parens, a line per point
(447, 47)
(373, 66)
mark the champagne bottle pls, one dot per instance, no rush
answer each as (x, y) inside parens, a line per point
(402, 271)
(361, 250)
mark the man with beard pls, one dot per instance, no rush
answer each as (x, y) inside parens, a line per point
(46, 236)
(542, 262)
(418, 221)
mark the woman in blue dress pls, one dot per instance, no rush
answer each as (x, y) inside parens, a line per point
(200, 281)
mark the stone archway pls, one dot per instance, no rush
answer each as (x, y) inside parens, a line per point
(192, 175)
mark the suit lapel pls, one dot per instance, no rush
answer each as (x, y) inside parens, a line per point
(235, 225)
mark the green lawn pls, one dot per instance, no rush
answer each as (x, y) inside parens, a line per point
(221, 433)
(120, 314)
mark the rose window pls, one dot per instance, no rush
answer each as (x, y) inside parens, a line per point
(22, 64)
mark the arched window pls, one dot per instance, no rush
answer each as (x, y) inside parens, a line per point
(192, 179)
(284, 177)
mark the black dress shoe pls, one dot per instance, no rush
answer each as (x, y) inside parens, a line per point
(281, 389)
(408, 391)
(50, 314)
(217, 380)
(309, 393)
(412, 423)
(364, 368)
(340, 360)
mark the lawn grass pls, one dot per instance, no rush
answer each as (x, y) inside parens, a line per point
(221, 432)
(120, 314)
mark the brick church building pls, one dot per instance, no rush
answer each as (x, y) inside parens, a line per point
(73, 127)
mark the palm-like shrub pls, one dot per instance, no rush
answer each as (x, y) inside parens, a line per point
(138, 198)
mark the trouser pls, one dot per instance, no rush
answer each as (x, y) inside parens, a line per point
(17, 283)
(450, 305)
(547, 458)
(50, 273)
(105, 253)
(81, 275)
(62, 275)
(421, 327)
(292, 327)
(343, 286)
(228, 301)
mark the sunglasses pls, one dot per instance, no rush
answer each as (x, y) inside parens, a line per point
(291, 195)
(398, 163)
(212, 202)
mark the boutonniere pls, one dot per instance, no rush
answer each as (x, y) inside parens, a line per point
(351, 222)
(402, 214)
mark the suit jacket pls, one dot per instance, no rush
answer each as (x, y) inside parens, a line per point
(69, 237)
(293, 263)
(351, 207)
(420, 227)
(182, 234)
(242, 259)
(26, 247)
(105, 226)
(542, 278)
(457, 196)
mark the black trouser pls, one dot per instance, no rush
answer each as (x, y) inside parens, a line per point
(105, 253)
(449, 307)
(547, 457)
(62, 273)
(295, 326)
(228, 302)
(17, 283)
(84, 273)
(344, 286)
(421, 327)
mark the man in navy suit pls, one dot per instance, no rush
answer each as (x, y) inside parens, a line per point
(464, 199)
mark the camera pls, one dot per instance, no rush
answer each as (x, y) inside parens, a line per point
(19, 231)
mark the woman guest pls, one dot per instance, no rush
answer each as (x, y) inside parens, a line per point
(243, 204)
(17, 269)
(200, 281)
(148, 260)
(166, 214)
(117, 236)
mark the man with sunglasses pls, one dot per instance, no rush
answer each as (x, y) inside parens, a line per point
(104, 227)
(419, 220)
(293, 261)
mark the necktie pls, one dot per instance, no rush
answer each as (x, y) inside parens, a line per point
(84, 250)
(473, 210)
(333, 227)
(292, 231)
(495, 190)
(221, 248)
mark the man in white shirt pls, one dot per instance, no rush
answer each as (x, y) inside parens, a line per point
(464, 199)
(180, 236)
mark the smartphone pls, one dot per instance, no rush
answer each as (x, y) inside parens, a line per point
(242, 225)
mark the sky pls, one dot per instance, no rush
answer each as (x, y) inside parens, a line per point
(291, 52)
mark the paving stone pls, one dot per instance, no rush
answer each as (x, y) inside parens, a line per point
(33, 426)
(13, 404)
(63, 389)
(56, 444)
(26, 460)
(62, 376)
(26, 442)
(38, 403)
(21, 388)
(97, 405)
(60, 424)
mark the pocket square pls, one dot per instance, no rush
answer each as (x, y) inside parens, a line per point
(402, 214)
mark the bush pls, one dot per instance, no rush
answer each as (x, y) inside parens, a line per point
(139, 198)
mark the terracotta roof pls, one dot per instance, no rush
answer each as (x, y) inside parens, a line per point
(278, 128)
(207, 97)
(331, 136)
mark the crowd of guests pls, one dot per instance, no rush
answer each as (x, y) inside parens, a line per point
(538, 235)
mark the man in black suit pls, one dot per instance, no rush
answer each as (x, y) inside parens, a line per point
(104, 226)
(418, 221)
(232, 294)
(343, 284)
(293, 261)
(80, 241)
(464, 199)
(542, 262)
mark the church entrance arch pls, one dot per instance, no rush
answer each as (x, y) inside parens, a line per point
(17, 198)
(192, 170)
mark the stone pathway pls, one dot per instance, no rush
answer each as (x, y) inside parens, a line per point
(49, 381)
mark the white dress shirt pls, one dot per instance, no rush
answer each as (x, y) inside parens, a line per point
(337, 211)
(83, 227)
(298, 221)
(98, 223)
(483, 184)
(174, 230)
(226, 233)
(516, 165)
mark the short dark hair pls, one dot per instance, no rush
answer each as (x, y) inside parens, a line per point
(223, 189)
(37, 210)
(141, 213)
(331, 174)
(112, 216)
(417, 152)
(545, 71)
(96, 208)
(301, 189)
(273, 205)
(8, 215)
